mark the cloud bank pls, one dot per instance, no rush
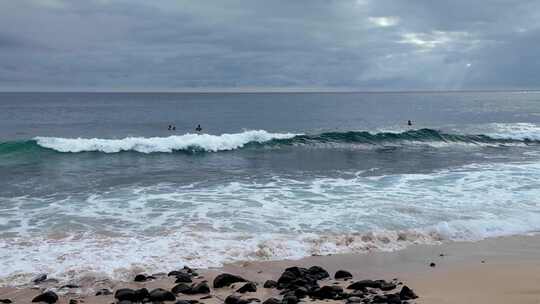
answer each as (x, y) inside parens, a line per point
(353, 44)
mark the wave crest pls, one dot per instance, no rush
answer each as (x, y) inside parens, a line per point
(205, 142)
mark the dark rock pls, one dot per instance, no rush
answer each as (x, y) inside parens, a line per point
(441, 255)
(393, 299)
(248, 287)
(327, 292)
(125, 294)
(183, 278)
(270, 284)
(182, 302)
(200, 288)
(180, 288)
(40, 278)
(6, 301)
(407, 294)
(289, 299)
(103, 292)
(226, 279)
(271, 301)
(47, 297)
(70, 286)
(141, 294)
(432, 264)
(232, 299)
(354, 300)
(343, 275)
(140, 278)
(300, 292)
(285, 279)
(364, 284)
(161, 295)
(387, 286)
(379, 299)
(251, 300)
(73, 301)
(175, 273)
(318, 272)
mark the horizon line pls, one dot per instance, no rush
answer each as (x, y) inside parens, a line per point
(269, 90)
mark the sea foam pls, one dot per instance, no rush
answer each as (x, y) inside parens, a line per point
(206, 142)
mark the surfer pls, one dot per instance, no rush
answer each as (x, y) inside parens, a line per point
(170, 127)
(409, 123)
(198, 129)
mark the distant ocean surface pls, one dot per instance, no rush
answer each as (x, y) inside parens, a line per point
(95, 185)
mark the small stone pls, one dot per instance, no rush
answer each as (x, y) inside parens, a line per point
(183, 278)
(232, 299)
(103, 292)
(343, 275)
(441, 255)
(125, 294)
(270, 284)
(364, 284)
(226, 279)
(180, 288)
(47, 297)
(40, 278)
(248, 287)
(354, 300)
(432, 264)
(140, 278)
(200, 288)
(379, 299)
(161, 295)
(387, 286)
(327, 292)
(318, 272)
(407, 294)
(271, 301)
(289, 299)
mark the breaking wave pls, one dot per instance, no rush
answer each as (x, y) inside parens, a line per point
(260, 138)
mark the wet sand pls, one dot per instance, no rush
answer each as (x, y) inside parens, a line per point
(499, 270)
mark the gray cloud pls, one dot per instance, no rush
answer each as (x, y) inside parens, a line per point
(358, 44)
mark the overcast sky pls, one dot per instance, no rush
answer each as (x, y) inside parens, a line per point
(353, 44)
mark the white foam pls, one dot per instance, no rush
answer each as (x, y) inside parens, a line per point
(207, 142)
(162, 227)
(519, 131)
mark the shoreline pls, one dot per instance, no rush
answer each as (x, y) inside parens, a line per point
(494, 270)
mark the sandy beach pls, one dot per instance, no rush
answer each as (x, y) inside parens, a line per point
(498, 270)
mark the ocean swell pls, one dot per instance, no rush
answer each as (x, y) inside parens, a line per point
(260, 138)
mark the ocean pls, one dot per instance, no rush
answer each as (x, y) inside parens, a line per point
(95, 185)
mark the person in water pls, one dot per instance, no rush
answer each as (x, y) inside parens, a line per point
(198, 129)
(409, 123)
(170, 127)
